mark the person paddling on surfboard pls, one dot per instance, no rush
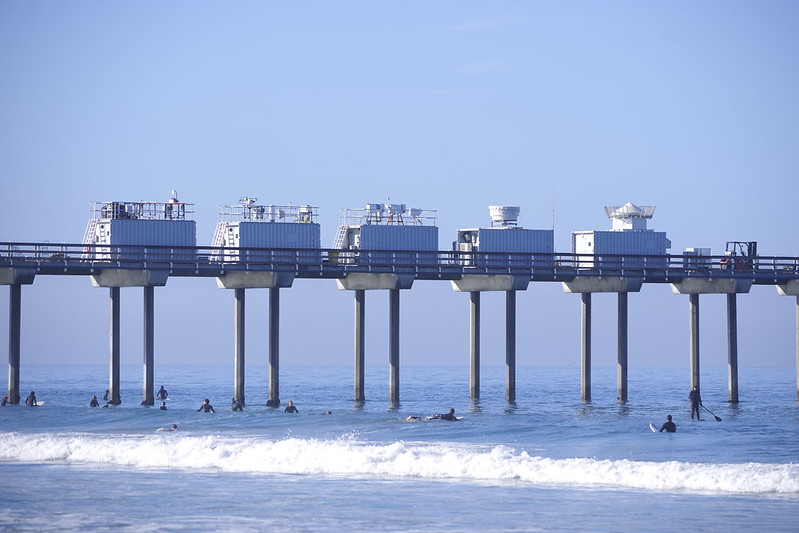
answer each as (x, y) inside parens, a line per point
(669, 426)
(446, 416)
(696, 401)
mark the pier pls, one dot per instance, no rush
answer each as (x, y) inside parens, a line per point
(239, 269)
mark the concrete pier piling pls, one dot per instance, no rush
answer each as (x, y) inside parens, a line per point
(239, 322)
(621, 360)
(585, 347)
(274, 347)
(693, 336)
(360, 350)
(148, 390)
(474, 345)
(510, 346)
(114, 396)
(732, 347)
(14, 341)
(394, 347)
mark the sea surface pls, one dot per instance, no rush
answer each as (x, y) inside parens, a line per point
(549, 462)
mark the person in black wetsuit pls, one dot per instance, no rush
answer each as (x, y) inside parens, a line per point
(4, 400)
(446, 416)
(669, 426)
(94, 402)
(30, 401)
(163, 406)
(696, 401)
(290, 408)
(237, 405)
(162, 393)
(206, 407)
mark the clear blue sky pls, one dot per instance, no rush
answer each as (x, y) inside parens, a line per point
(451, 106)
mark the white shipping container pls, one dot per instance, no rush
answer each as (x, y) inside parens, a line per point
(502, 240)
(272, 235)
(147, 233)
(622, 243)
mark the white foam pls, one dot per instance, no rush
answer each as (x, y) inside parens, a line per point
(348, 456)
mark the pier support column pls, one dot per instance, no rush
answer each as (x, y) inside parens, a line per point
(797, 348)
(239, 321)
(148, 395)
(360, 350)
(693, 329)
(585, 347)
(621, 365)
(274, 348)
(14, 341)
(394, 346)
(474, 345)
(732, 347)
(510, 346)
(114, 341)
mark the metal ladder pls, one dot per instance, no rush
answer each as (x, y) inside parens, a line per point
(219, 240)
(338, 244)
(88, 238)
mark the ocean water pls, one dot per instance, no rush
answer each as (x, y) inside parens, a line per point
(549, 462)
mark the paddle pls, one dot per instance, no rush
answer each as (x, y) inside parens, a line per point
(718, 419)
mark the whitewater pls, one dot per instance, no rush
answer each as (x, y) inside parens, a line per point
(549, 462)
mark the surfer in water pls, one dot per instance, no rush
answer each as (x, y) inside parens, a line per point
(445, 416)
(30, 401)
(237, 405)
(669, 426)
(290, 408)
(162, 393)
(163, 406)
(696, 401)
(94, 402)
(206, 407)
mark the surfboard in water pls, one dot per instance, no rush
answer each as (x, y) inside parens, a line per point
(653, 427)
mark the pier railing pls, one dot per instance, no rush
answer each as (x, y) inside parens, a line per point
(206, 261)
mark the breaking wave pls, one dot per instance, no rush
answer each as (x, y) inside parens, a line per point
(350, 457)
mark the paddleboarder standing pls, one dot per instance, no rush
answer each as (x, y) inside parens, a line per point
(696, 401)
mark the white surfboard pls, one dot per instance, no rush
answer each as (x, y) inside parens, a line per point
(653, 427)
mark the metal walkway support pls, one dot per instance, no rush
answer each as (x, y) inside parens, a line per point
(274, 347)
(394, 346)
(585, 347)
(510, 346)
(621, 363)
(474, 345)
(14, 341)
(239, 321)
(732, 347)
(148, 389)
(693, 332)
(360, 350)
(114, 342)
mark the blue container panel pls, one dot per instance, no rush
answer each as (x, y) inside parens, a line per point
(278, 235)
(527, 241)
(416, 238)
